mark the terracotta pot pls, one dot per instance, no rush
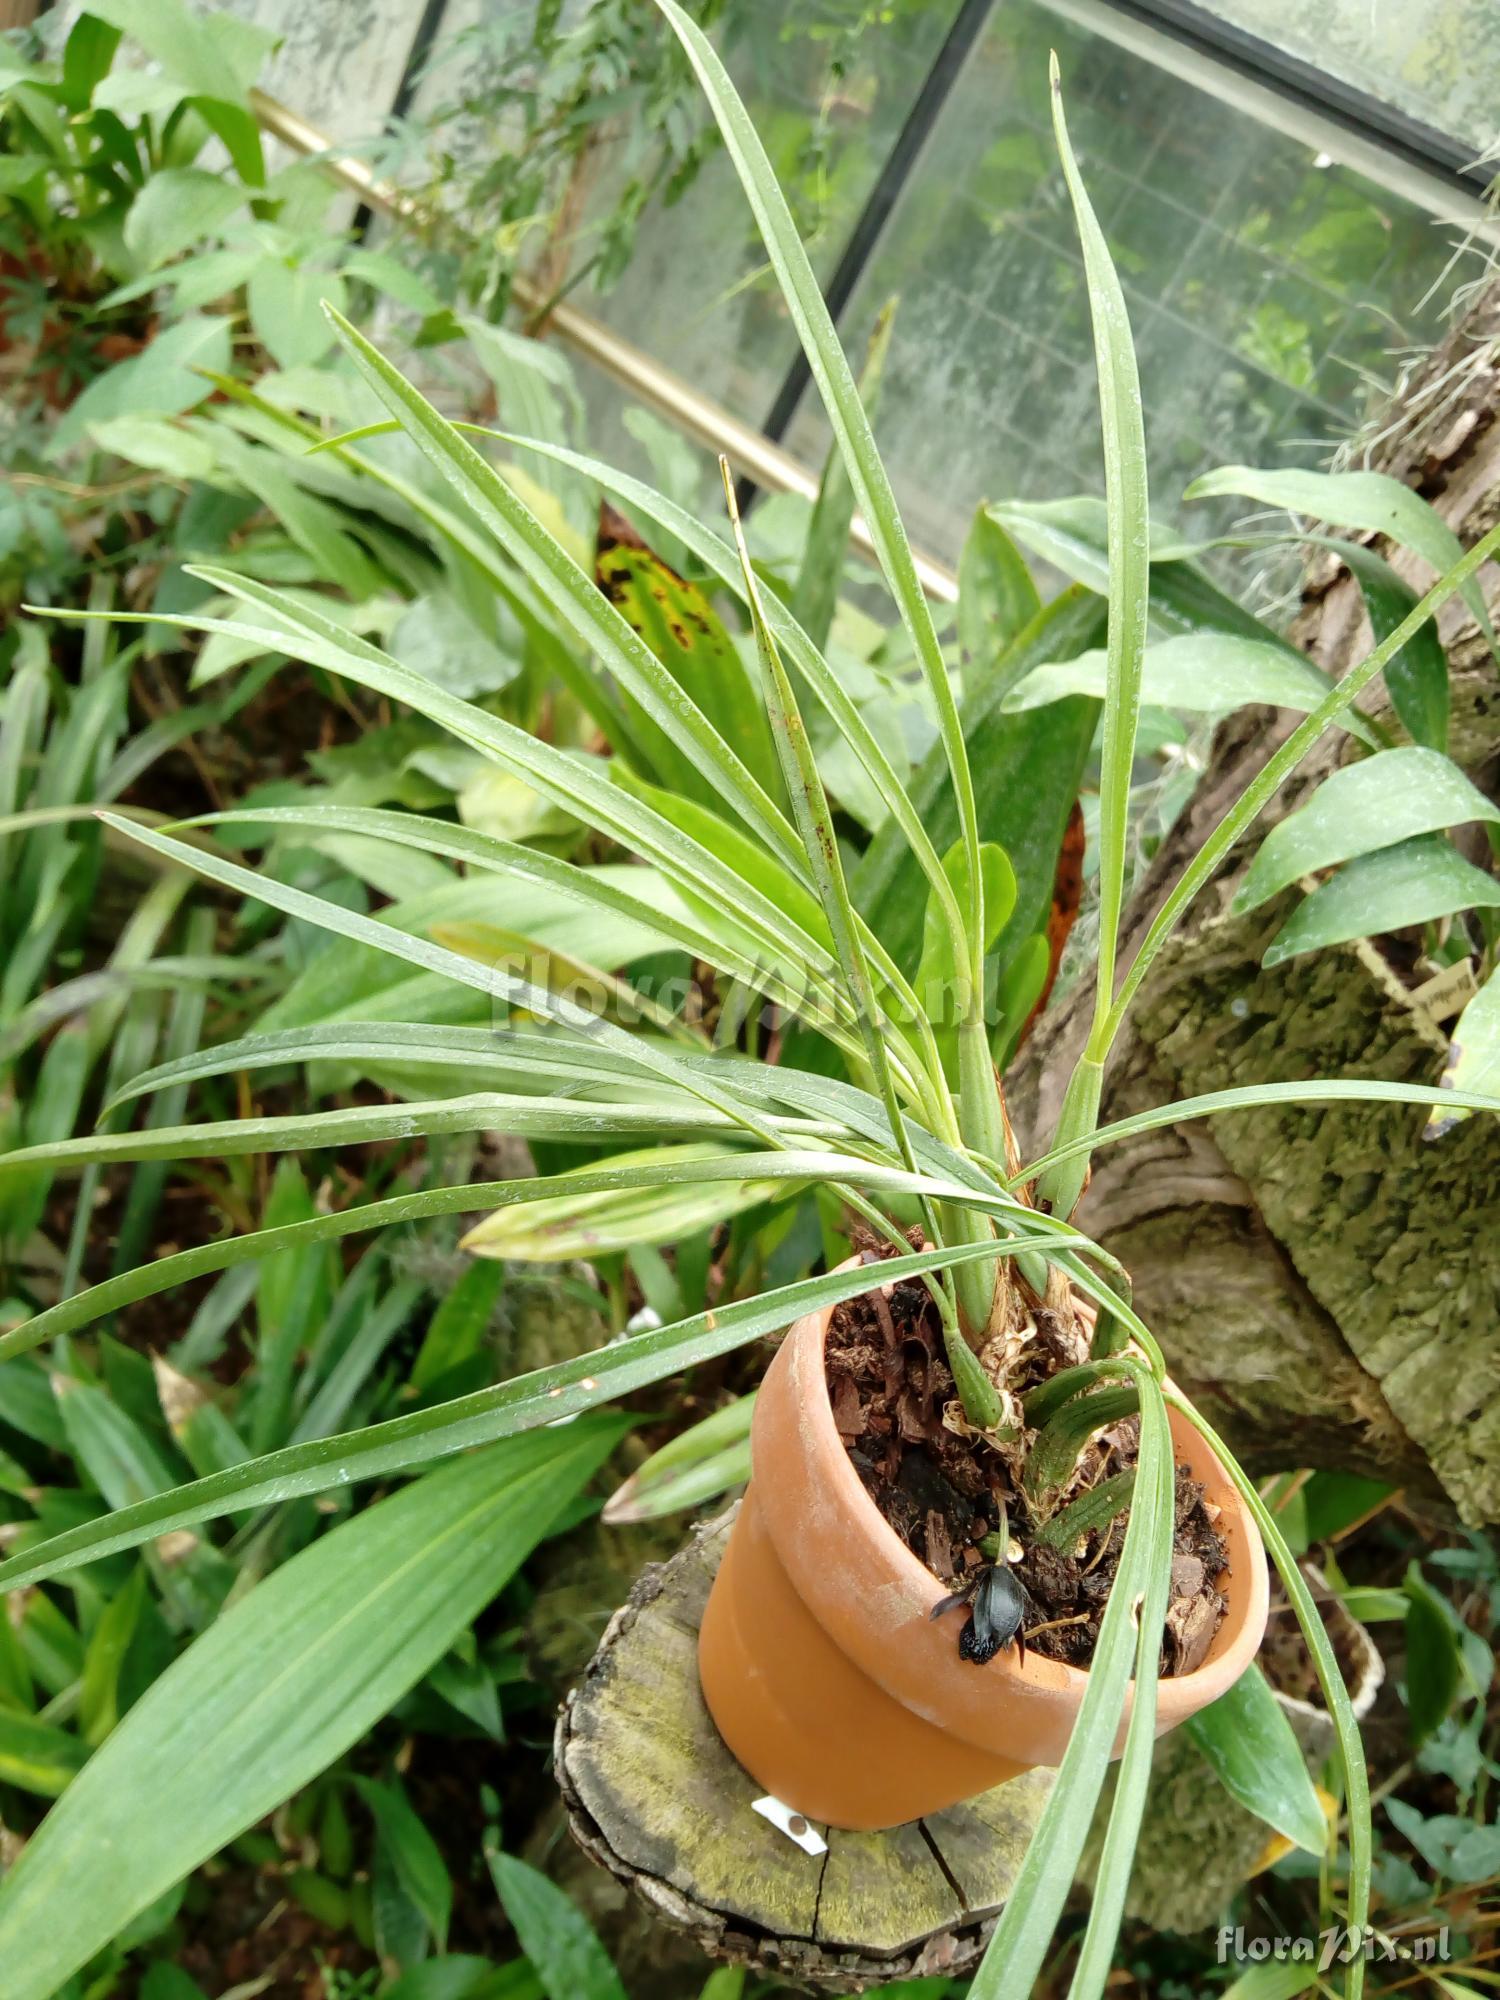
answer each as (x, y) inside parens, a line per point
(819, 1660)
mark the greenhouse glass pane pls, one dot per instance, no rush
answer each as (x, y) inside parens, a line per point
(829, 84)
(1437, 61)
(1270, 292)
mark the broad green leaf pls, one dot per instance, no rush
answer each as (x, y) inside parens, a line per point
(1371, 501)
(1278, 767)
(1473, 1056)
(155, 444)
(687, 635)
(276, 1689)
(1207, 671)
(169, 1982)
(997, 599)
(938, 984)
(1417, 677)
(1251, 1749)
(565, 1226)
(1415, 882)
(1451, 1845)
(1032, 766)
(459, 1977)
(554, 1933)
(1334, 1501)
(214, 55)
(1273, 1980)
(28, 1405)
(1434, 1665)
(161, 381)
(999, 900)
(460, 1325)
(177, 208)
(112, 1449)
(286, 303)
(1360, 809)
(1072, 535)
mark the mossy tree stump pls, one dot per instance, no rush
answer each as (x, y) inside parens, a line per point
(654, 1796)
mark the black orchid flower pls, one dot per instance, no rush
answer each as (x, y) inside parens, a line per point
(998, 1603)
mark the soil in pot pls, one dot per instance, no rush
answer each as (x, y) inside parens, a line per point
(945, 1493)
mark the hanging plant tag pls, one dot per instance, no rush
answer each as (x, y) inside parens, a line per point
(1447, 993)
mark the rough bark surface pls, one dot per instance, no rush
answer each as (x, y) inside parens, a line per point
(654, 1796)
(1326, 1282)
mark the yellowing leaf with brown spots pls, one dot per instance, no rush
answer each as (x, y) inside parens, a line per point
(687, 635)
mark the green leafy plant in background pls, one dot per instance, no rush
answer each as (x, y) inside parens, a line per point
(500, 165)
(754, 883)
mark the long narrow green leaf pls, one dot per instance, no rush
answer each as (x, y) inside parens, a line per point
(1129, 517)
(799, 771)
(815, 593)
(498, 1052)
(1117, 1858)
(364, 1124)
(1044, 1880)
(278, 1688)
(147, 1280)
(719, 559)
(650, 1057)
(692, 925)
(401, 1443)
(851, 427)
(1254, 1097)
(1330, 1681)
(571, 782)
(573, 595)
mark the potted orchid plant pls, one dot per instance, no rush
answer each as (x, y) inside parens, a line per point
(984, 1530)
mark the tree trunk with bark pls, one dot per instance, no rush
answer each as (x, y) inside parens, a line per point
(1325, 1282)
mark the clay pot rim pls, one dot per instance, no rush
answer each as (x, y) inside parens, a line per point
(1234, 1644)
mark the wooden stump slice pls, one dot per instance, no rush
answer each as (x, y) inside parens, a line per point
(654, 1796)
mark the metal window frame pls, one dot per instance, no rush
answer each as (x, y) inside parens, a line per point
(1435, 155)
(1334, 119)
